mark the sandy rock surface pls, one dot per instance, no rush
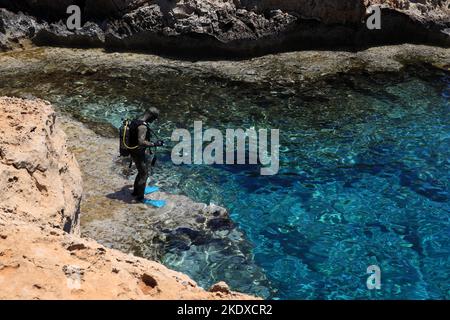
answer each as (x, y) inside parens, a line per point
(41, 262)
(39, 178)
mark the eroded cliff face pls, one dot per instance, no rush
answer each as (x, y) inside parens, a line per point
(41, 254)
(230, 27)
(39, 178)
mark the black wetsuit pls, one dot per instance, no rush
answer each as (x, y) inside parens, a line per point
(140, 135)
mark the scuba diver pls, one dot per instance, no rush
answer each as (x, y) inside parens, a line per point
(139, 137)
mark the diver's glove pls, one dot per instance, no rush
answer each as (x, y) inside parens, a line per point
(159, 143)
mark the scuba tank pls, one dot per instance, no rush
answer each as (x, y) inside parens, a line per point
(125, 143)
(124, 138)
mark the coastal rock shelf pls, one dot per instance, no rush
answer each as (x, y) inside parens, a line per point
(302, 68)
(41, 254)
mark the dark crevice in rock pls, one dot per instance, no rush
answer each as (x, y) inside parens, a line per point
(149, 281)
(76, 246)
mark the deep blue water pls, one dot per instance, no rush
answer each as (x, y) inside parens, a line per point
(364, 176)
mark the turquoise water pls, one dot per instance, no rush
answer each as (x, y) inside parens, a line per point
(364, 175)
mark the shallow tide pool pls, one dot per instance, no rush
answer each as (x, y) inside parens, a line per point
(364, 175)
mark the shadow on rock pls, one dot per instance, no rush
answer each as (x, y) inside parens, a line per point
(123, 195)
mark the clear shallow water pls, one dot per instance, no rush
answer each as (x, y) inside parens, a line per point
(364, 175)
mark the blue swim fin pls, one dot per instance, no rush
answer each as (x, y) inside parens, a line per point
(154, 203)
(151, 189)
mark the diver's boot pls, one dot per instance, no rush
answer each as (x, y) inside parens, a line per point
(137, 200)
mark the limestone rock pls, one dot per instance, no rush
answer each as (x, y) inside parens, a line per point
(39, 177)
(41, 262)
(17, 29)
(220, 287)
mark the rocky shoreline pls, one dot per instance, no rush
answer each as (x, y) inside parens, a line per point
(304, 68)
(211, 28)
(42, 255)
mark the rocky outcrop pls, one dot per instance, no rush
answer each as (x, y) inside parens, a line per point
(16, 30)
(330, 11)
(39, 178)
(41, 255)
(41, 262)
(239, 28)
(327, 11)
